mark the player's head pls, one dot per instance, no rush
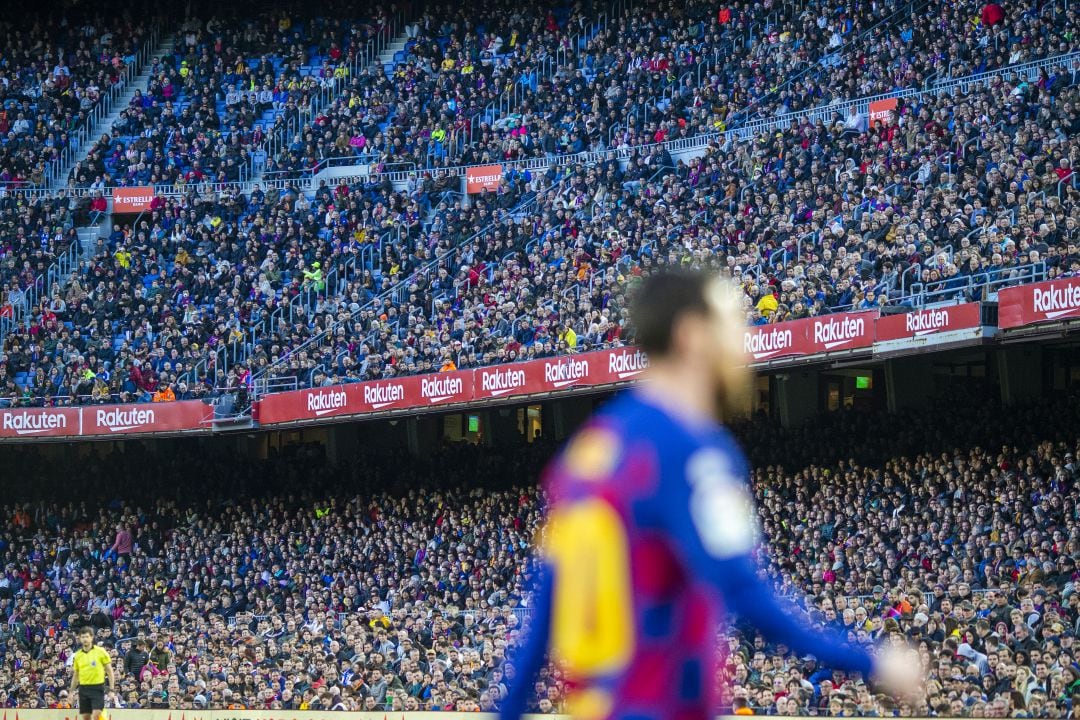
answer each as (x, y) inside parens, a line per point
(694, 318)
(86, 637)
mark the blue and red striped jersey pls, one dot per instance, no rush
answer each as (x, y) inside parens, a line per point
(649, 537)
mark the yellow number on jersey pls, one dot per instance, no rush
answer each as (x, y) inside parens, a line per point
(592, 621)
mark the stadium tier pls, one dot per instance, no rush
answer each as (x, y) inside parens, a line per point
(958, 185)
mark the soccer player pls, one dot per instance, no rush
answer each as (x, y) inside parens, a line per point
(651, 528)
(90, 667)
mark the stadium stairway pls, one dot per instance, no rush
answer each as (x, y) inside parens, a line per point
(393, 54)
(104, 125)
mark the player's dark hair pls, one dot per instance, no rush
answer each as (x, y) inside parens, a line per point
(85, 629)
(661, 300)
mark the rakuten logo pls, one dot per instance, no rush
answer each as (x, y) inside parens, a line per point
(322, 403)
(1056, 300)
(766, 343)
(627, 364)
(925, 322)
(378, 396)
(121, 419)
(833, 333)
(438, 389)
(500, 382)
(32, 423)
(565, 372)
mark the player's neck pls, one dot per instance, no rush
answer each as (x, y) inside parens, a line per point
(685, 392)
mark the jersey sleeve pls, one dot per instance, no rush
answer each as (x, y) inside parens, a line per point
(710, 515)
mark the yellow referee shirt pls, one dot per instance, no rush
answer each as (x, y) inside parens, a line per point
(90, 666)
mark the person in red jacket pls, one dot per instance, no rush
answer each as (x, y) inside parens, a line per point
(992, 14)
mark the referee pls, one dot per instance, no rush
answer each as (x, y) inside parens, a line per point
(90, 666)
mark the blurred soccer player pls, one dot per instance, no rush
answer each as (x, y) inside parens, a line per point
(651, 529)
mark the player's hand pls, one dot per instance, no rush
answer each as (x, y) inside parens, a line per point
(899, 672)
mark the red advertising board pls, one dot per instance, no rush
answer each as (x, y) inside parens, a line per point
(1056, 300)
(840, 331)
(768, 342)
(132, 199)
(39, 422)
(144, 418)
(880, 109)
(929, 322)
(810, 336)
(483, 177)
(100, 420)
(536, 377)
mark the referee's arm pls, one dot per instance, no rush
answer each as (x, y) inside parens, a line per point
(111, 673)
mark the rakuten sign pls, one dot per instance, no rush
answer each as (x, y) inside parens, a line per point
(187, 415)
(499, 381)
(931, 321)
(842, 331)
(446, 388)
(39, 422)
(1042, 302)
(762, 342)
(626, 363)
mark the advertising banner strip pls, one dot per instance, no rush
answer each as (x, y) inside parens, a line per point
(536, 377)
(930, 321)
(104, 420)
(1053, 301)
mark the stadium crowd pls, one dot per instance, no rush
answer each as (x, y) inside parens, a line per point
(226, 88)
(386, 585)
(361, 281)
(52, 75)
(538, 82)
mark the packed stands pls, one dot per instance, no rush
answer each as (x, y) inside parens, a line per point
(565, 81)
(388, 585)
(57, 80)
(223, 91)
(330, 282)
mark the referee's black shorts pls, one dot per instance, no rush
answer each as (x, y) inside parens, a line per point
(91, 698)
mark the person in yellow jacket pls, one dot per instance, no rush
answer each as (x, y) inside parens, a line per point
(767, 304)
(314, 277)
(569, 337)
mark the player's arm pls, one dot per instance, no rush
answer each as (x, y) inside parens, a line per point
(711, 517)
(74, 676)
(530, 657)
